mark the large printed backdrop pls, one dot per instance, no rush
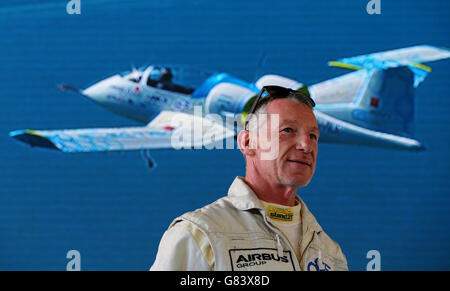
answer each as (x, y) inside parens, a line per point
(113, 210)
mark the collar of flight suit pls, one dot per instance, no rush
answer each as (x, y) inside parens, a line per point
(243, 198)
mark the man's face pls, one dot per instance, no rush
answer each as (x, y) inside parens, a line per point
(295, 136)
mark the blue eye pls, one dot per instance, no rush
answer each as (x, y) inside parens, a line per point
(287, 129)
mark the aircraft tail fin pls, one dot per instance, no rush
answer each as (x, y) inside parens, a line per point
(386, 102)
(412, 57)
(379, 99)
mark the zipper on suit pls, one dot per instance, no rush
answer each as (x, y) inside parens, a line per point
(279, 245)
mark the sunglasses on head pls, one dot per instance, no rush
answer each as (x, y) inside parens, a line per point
(277, 92)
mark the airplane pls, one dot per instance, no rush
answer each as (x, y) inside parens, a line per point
(372, 106)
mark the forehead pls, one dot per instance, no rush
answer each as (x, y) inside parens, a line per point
(292, 111)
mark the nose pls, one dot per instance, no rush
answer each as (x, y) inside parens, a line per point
(304, 143)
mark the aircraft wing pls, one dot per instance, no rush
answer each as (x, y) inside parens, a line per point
(167, 130)
(413, 57)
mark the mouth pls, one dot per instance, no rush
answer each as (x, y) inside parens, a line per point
(301, 162)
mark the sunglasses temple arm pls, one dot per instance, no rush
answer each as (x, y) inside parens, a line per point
(254, 105)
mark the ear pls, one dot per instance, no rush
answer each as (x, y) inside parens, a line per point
(244, 143)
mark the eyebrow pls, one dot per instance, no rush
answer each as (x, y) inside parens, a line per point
(289, 121)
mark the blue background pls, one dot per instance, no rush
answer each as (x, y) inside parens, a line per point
(114, 210)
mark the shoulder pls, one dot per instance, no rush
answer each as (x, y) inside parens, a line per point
(182, 248)
(220, 216)
(210, 217)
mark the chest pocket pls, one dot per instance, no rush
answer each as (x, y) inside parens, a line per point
(313, 257)
(316, 257)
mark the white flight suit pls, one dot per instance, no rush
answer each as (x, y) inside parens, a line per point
(234, 233)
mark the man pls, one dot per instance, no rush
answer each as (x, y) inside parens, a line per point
(262, 224)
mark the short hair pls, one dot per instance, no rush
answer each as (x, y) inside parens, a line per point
(264, 102)
(298, 96)
(277, 92)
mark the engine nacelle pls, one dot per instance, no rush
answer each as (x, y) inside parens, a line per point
(229, 99)
(279, 81)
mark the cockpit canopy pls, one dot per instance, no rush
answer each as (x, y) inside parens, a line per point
(176, 79)
(133, 76)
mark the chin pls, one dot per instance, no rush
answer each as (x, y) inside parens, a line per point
(296, 182)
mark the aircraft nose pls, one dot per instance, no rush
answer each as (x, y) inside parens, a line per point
(99, 91)
(96, 92)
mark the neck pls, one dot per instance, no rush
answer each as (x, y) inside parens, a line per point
(269, 192)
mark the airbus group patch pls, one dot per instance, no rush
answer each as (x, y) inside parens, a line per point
(260, 259)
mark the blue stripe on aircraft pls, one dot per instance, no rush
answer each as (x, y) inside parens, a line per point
(216, 79)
